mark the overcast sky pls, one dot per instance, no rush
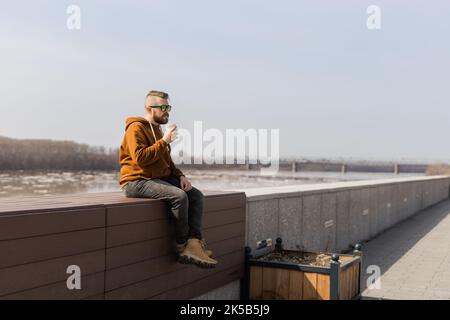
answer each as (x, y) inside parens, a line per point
(312, 69)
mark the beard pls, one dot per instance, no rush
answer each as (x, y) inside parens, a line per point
(161, 120)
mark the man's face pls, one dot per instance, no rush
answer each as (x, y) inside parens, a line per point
(159, 116)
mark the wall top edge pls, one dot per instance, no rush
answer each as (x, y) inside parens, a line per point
(255, 194)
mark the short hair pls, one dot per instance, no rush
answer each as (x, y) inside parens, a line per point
(160, 94)
(154, 93)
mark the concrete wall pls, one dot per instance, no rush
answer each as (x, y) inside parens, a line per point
(333, 216)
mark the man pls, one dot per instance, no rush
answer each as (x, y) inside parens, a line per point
(147, 171)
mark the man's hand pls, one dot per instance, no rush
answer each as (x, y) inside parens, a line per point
(170, 134)
(185, 183)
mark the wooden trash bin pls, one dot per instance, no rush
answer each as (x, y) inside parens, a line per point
(265, 279)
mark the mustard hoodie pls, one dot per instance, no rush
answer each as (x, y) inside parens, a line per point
(140, 156)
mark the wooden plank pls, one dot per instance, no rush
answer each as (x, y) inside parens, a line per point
(344, 285)
(227, 231)
(42, 208)
(32, 275)
(67, 200)
(118, 198)
(43, 203)
(323, 286)
(137, 252)
(105, 197)
(214, 200)
(349, 282)
(136, 232)
(159, 211)
(282, 284)
(295, 285)
(345, 258)
(355, 279)
(134, 213)
(129, 274)
(21, 251)
(309, 286)
(20, 201)
(197, 288)
(41, 235)
(100, 197)
(168, 281)
(92, 284)
(269, 283)
(222, 217)
(351, 286)
(30, 225)
(222, 202)
(255, 282)
(141, 251)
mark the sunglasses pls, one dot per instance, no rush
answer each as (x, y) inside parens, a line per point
(163, 107)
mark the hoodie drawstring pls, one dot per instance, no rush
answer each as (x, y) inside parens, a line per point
(151, 126)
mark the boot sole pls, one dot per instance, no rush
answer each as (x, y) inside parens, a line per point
(210, 256)
(198, 263)
(179, 251)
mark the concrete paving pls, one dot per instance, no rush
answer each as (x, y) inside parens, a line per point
(414, 257)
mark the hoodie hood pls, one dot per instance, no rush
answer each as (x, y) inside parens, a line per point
(130, 120)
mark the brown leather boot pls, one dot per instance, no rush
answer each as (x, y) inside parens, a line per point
(208, 252)
(194, 253)
(180, 248)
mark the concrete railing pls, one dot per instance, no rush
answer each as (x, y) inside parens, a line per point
(333, 216)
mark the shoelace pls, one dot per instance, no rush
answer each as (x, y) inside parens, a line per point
(203, 243)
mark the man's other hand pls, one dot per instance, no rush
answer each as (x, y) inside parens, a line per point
(185, 183)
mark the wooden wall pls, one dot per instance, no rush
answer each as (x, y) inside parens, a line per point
(123, 247)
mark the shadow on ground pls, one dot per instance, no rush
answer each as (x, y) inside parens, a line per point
(388, 247)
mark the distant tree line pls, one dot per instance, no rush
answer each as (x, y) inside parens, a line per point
(438, 169)
(31, 154)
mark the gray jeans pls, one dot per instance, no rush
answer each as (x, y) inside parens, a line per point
(186, 208)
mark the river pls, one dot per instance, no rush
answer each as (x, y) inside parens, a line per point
(25, 183)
